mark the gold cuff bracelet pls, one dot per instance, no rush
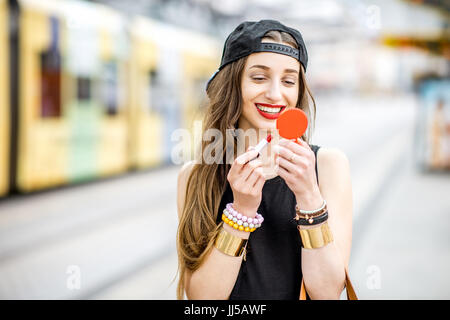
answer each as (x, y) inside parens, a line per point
(315, 238)
(230, 244)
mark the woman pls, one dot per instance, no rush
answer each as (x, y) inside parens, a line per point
(262, 74)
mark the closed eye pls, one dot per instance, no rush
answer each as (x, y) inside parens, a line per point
(258, 78)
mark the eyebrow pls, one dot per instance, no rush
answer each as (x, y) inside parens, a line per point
(267, 68)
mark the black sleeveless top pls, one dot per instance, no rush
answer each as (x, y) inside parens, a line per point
(272, 269)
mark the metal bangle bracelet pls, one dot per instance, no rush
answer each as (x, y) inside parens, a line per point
(230, 244)
(313, 221)
(317, 237)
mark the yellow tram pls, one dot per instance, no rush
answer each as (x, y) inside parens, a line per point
(4, 100)
(169, 71)
(72, 73)
(96, 94)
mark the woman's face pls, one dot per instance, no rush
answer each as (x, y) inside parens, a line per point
(270, 83)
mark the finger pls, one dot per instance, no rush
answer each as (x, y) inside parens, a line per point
(288, 166)
(292, 166)
(283, 173)
(259, 184)
(246, 157)
(254, 176)
(300, 149)
(283, 152)
(249, 168)
(239, 163)
(297, 148)
(246, 179)
(303, 143)
(290, 156)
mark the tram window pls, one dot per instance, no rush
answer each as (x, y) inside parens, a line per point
(160, 91)
(109, 88)
(50, 84)
(84, 88)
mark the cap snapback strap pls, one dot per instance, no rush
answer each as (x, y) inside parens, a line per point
(278, 48)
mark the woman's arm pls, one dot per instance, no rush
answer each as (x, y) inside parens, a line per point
(216, 276)
(323, 268)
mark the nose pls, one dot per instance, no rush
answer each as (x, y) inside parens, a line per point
(273, 92)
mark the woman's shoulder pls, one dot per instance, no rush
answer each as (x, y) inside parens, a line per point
(186, 168)
(328, 155)
(332, 166)
(183, 176)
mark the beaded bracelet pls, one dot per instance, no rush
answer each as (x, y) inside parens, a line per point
(311, 212)
(239, 221)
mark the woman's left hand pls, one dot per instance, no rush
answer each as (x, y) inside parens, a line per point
(296, 165)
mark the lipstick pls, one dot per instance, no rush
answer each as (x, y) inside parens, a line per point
(262, 144)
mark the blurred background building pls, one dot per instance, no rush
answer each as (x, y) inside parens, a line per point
(93, 92)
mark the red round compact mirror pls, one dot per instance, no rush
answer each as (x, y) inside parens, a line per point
(292, 124)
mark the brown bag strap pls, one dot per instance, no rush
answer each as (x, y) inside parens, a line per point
(351, 295)
(302, 291)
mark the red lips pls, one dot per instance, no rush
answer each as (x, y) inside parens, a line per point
(271, 116)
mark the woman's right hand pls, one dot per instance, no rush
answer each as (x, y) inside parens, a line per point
(246, 180)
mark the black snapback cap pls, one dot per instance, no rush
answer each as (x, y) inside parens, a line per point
(246, 39)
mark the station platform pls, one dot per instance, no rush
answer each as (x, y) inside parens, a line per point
(115, 239)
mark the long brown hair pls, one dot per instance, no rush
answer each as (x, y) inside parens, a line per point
(206, 182)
